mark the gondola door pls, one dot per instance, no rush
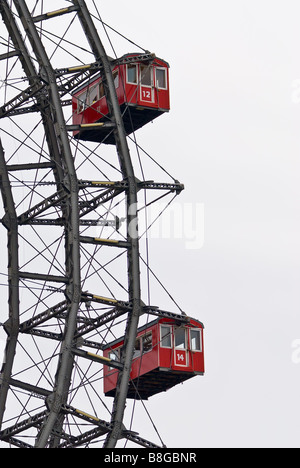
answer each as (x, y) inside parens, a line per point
(147, 84)
(181, 347)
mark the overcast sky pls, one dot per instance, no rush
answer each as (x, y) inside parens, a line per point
(233, 138)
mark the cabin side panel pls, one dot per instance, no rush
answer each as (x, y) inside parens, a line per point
(147, 359)
(130, 83)
(166, 341)
(196, 356)
(111, 374)
(162, 85)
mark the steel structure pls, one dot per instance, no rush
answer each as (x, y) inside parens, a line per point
(54, 200)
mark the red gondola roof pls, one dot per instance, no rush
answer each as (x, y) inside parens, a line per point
(150, 325)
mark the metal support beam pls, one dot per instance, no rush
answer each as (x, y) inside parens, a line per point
(94, 324)
(132, 216)
(106, 242)
(74, 128)
(40, 392)
(21, 98)
(30, 166)
(9, 55)
(18, 42)
(12, 329)
(96, 358)
(59, 143)
(165, 314)
(43, 277)
(54, 14)
(67, 323)
(41, 207)
(21, 426)
(38, 320)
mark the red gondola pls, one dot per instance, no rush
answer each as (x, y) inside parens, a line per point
(142, 85)
(166, 353)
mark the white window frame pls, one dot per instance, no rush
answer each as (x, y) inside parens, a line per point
(197, 330)
(166, 78)
(161, 336)
(149, 69)
(137, 74)
(147, 94)
(137, 353)
(82, 103)
(116, 353)
(116, 77)
(143, 337)
(89, 94)
(101, 88)
(186, 339)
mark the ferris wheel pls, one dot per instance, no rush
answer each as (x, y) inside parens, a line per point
(81, 335)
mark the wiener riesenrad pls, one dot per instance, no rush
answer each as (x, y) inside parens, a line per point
(83, 338)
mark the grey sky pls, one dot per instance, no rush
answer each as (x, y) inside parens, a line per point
(232, 137)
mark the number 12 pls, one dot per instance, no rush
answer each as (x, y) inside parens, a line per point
(146, 94)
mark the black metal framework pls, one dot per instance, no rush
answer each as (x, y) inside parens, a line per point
(50, 382)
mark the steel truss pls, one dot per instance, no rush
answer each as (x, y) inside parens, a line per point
(53, 316)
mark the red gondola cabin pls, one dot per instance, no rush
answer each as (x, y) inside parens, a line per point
(166, 353)
(142, 86)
